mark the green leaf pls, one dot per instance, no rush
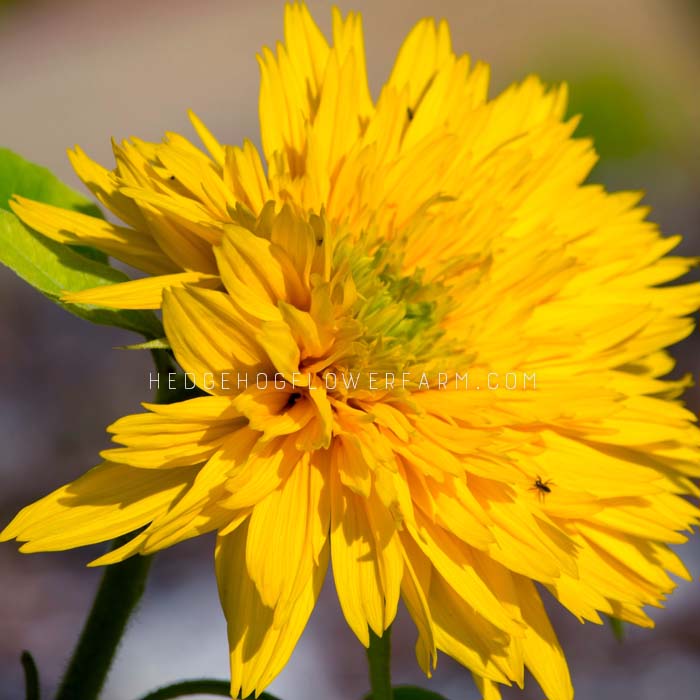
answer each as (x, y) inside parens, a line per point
(614, 112)
(618, 628)
(412, 692)
(90, 252)
(19, 176)
(53, 268)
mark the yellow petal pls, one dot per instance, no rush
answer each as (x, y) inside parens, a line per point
(182, 434)
(415, 583)
(208, 335)
(542, 652)
(108, 501)
(454, 562)
(465, 635)
(146, 293)
(355, 567)
(424, 51)
(280, 547)
(209, 141)
(289, 84)
(200, 510)
(65, 226)
(105, 186)
(245, 176)
(258, 649)
(264, 468)
(488, 689)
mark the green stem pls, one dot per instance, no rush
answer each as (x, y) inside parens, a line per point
(379, 657)
(31, 676)
(201, 686)
(121, 588)
(164, 365)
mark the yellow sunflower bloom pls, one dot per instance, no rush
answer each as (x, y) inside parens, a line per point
(433, 358)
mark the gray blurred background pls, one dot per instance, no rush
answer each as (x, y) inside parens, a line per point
(83, 71)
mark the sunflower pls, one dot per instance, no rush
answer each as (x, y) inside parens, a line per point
(427, 247)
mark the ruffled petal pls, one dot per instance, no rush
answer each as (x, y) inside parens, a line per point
(258, 648)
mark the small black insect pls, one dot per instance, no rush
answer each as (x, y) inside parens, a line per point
(293, 398)
(409, 114)
(542, 487)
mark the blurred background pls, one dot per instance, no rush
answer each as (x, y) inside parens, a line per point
(82, 71)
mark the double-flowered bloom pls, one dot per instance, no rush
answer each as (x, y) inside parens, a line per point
(427, 232)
